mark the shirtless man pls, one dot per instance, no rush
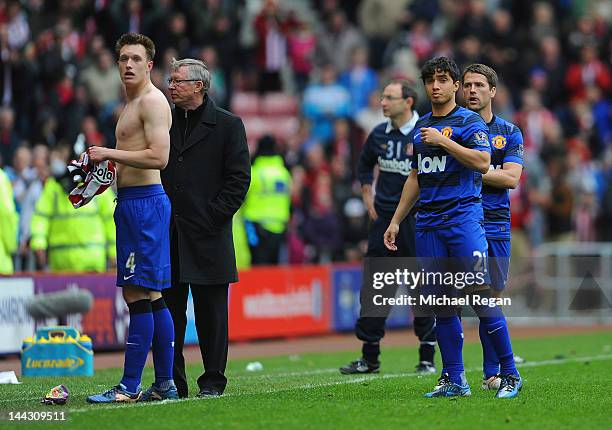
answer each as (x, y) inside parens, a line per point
(142, 218)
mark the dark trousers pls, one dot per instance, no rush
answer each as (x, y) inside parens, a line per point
(372, 329)
(267, 250)
(210, 308)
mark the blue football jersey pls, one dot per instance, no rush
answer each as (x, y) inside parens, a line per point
(506, 147)
(450, 193)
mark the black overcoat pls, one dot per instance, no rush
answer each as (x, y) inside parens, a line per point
(206, 179)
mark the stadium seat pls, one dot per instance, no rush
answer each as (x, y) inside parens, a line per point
(274, 104)
(245, 103)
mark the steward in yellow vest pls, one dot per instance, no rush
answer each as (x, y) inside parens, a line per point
(8, 225)
(80, 240)
(267, 207)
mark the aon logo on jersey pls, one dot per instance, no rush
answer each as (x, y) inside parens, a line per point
(431, 164)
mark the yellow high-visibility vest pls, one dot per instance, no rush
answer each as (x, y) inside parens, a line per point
(76, 240)
(268, 201)
(8, 225)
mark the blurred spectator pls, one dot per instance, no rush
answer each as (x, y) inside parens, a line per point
(218, 89)
(224, 40)
(601, 111)
(90, 132)
(419, 39)
(298, 143)
(23, 94)
(502, 103)
(590, 71)
(543, 23)
(469, 51)
(103, 83)
(604, 195)
(535, 121)
(359, 80)
(18, 28)
(551, 63)
(174, 34)
(40, 163)
(559, 210)
(266, 209)
(502, 47)
(9, 140)
(337, 41)
(128, 17)
(71, 41)
(325, 101)
(380, 21)
(538, 189)
(344, 146)
(302, 43)
(21, 174)
(80, 240)
(8, 225)
(272, 28)
(320, 224)
(203, 15)
(474, 22)
(371, 115)
(354, 230)
(155, 22)
(583, 34)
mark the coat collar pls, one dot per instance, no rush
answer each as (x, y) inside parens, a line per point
(207, 120)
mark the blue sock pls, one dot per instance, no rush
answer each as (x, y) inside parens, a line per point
(449, 334)
(163, 344)
(499, 337)
(140, 334)
(490, 362)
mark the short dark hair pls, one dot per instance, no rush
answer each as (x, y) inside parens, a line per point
(136, 39)
(484, 70)
(439, 65)
(407, 90)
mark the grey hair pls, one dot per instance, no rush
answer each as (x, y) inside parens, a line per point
(196, 69)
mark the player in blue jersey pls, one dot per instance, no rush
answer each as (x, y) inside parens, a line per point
(389, 146)
(479, 84)
(142, 218)
(451, 152)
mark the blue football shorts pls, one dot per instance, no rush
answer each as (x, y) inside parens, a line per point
(142, 219)
(458, 252)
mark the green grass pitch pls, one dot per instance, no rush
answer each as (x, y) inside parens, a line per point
(567, 386)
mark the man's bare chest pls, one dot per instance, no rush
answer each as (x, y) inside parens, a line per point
(129, 124)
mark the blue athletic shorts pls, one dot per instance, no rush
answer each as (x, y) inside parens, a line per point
(499, 262)
(460, 250)
(142, 219)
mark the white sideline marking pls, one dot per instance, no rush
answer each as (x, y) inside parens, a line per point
(352, 380)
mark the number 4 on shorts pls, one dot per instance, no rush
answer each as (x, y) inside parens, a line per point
(131, 262)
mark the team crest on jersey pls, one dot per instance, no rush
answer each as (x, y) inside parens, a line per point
(499, 142)
(447, 132)
(409, 149)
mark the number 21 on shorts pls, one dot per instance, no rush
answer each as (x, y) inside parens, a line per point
(481, 264)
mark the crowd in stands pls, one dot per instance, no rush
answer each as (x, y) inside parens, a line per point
(309, 73)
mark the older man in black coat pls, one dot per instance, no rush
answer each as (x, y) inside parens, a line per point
(207, 179)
